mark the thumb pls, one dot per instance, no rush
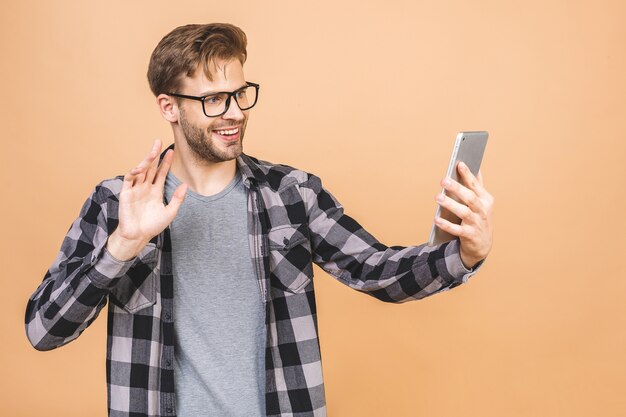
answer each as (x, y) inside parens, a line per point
(177, 200)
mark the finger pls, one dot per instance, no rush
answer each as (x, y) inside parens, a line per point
(128, 180)
(453, 229)
(176, 201)
(139, 173)
(460, 210)
(150, 172)
(132, 174)
(143, 167)
(164, 167)
(466, 195)
(487, 196)
(130, 177)
(470, 181)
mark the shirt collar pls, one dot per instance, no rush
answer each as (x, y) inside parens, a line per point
(248, 168)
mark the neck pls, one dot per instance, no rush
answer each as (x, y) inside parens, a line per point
(203, 177)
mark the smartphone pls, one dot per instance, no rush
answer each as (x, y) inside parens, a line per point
(469, 147)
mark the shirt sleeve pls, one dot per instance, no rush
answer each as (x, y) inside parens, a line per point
(344, 249)
(75, 287)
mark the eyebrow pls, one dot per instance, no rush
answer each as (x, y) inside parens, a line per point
(209, 92)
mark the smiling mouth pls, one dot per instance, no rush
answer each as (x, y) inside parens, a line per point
(227, 132)
(228, 135)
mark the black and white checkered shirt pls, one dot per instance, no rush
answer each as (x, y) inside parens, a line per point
(292, 222)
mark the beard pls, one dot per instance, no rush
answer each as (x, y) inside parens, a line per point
(204, 148)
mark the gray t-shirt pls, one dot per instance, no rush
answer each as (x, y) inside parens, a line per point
(219, 319)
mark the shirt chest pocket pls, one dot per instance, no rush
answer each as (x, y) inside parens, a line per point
(137, 289)
(290, 257)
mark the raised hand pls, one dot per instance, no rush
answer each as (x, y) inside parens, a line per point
(142, 214)
(476, 229)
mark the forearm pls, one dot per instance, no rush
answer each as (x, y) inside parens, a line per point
(399, 274)
(344, 249)
(77, 283)
(61, 312)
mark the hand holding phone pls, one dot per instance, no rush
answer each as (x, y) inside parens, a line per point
(469, 148)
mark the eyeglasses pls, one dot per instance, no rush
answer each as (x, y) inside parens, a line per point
(216, 104)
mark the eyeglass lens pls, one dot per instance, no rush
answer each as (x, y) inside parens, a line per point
(216, 104)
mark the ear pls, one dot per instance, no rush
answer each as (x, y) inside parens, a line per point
(168, 107)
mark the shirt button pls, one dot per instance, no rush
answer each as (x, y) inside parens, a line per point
(168, 409)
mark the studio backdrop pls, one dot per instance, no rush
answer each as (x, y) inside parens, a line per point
(369, 96)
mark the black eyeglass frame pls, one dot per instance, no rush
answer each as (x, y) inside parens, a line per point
(229, 93)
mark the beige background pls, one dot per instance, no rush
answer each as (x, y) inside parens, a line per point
(369, 96)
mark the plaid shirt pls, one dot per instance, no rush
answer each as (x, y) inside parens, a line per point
(293, 221)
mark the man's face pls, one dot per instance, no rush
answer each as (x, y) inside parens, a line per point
(202, 133)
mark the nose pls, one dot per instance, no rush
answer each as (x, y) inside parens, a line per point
(233, 112)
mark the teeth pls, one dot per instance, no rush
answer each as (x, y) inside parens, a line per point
(228, 132)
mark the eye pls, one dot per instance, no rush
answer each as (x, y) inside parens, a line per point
(213, 99)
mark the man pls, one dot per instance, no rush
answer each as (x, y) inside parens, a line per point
(205, 255)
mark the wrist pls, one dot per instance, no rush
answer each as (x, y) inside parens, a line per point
(468, 262)
(124, 249)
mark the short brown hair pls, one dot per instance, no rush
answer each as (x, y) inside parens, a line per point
(183, 49)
